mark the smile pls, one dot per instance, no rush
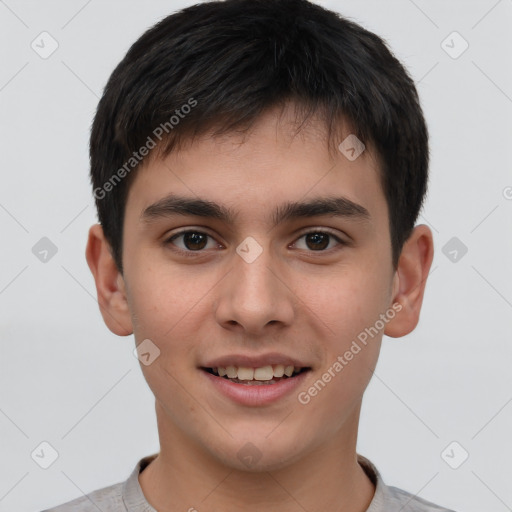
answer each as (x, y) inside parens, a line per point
(263, 375)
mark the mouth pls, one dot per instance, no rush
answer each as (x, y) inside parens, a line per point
(263, 375)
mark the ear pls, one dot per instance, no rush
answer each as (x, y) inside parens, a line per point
(110, 285)
(410, 280)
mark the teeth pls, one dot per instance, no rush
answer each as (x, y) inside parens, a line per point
(278, 370)
(245, 373)
(288, 371)
(263, 373)
(231, 372)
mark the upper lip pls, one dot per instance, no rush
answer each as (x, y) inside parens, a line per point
(258, 361)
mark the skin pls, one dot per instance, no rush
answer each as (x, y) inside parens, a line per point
(294, 299)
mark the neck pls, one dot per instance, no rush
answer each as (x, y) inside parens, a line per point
(184, 477)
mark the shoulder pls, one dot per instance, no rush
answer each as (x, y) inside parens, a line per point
(107, 499)
(119, 497)
(392, 499)
(407, 502)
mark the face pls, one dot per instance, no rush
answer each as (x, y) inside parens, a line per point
(250, 280)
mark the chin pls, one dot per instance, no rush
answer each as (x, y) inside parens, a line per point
(258, 453)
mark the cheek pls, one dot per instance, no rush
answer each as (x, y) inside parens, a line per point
(334, 397)
(165, 309)
(165, 316)
(347, 308)
(347, 301)
(163, 302)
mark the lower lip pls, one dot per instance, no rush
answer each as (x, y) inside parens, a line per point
(256, 395)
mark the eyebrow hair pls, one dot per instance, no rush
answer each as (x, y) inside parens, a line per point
(179, 205)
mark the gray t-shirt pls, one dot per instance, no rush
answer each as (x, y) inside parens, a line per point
(128, 497)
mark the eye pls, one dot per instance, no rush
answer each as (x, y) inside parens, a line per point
(192, 241)
(319, 240)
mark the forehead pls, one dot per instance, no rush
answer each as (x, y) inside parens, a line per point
(256, 175)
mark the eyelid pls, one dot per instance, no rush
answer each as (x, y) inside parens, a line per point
(320, 229)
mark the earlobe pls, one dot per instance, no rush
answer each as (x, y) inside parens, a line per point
(410, 280)
(109, 281)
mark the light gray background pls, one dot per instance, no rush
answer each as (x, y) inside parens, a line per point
(65, 379)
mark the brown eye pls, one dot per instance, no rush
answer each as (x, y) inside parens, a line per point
(318, 241)
(193, 241)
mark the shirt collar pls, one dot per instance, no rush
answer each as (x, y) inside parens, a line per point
(135, 501)
(133, 497)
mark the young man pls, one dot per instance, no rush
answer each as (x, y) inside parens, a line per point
(258, 168)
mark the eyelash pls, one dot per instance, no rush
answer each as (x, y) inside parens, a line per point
(190, 253)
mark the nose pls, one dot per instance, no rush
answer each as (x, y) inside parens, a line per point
(256, 295)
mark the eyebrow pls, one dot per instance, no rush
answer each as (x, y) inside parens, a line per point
(172, 205)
